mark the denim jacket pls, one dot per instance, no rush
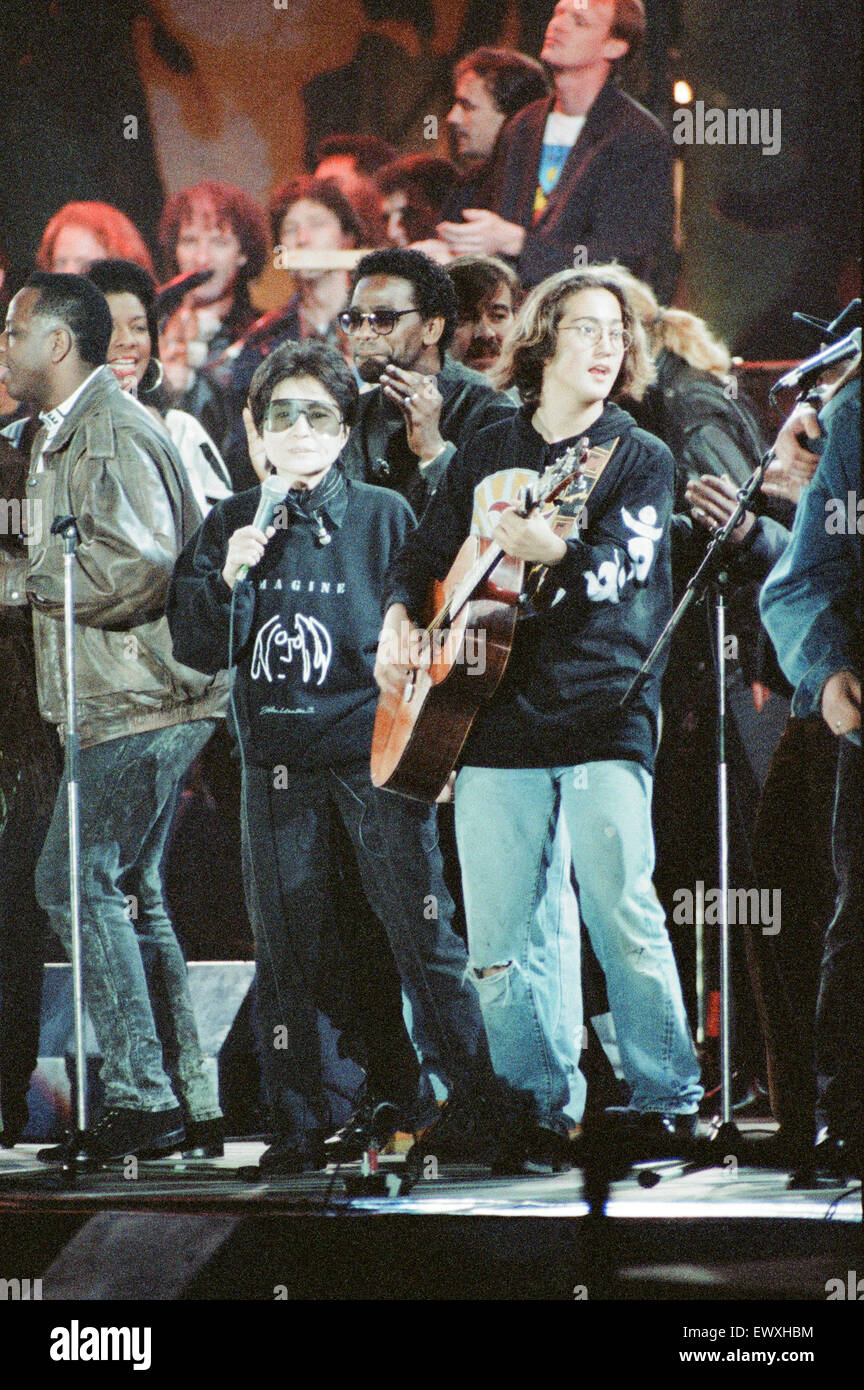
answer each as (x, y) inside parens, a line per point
(811, 602)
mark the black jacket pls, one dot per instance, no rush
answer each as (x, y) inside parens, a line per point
(306, 620)
(614, 196)
(556, 703)
(377, 450)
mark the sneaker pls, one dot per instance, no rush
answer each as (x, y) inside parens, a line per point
(649, 1134)
(538, 1149)
(205, 1138)
(472, 1128)
(376, 1121)
(285, 1156)
(121, 1133)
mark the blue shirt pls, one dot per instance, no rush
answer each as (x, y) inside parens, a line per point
(811, 601)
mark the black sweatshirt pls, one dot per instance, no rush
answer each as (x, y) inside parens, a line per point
(306, 619)
(556, 704)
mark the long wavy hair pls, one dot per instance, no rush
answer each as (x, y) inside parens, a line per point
(674, 329)
(533, 337)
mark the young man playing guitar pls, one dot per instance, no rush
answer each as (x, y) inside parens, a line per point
(551, 741)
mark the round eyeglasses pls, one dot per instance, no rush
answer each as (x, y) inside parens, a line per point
(589, 333)
(322, 418)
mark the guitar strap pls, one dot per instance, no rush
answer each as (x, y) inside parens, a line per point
(564, 519)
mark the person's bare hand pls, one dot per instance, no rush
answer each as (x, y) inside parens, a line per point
(841, 702)
(402, 649)
(420, 401)
(246, 547)
(257, 453)
(794, 464)
(712, 501)
(528, 538)
(482, 233)
(435, 249)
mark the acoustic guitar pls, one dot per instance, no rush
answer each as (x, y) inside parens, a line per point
(419, 734)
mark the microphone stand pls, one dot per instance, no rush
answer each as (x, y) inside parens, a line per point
(710, 575)
(66, 527)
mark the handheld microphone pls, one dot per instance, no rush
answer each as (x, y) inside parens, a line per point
(274, 490)
(814, 366)
(259, 329)
(169, 295)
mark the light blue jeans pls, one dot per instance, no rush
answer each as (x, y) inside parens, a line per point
(521, 917)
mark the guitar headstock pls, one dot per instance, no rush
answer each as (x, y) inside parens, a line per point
(559, 475)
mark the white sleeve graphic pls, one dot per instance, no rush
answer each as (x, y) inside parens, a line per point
(606, 584)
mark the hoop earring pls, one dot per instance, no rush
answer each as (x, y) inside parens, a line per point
(160, 376)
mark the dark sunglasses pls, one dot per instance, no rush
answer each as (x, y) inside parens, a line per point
(381, 321)
(321, 418)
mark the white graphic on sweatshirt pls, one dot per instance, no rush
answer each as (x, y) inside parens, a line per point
(275, 646)
(605, 586)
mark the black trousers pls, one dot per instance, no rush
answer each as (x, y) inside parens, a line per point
(23, 936)
(290, 834)
(840, 1007)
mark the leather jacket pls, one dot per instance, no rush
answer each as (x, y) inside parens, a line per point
(112, 468)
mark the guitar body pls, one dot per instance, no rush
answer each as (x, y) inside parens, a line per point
(419, 735)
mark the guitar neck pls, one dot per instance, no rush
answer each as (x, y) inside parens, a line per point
(473, 578)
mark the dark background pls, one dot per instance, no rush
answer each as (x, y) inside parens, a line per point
(217, 92)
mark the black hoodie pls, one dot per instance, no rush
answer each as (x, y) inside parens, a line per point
(556, 704)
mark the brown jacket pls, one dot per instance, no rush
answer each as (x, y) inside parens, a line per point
(117, 473)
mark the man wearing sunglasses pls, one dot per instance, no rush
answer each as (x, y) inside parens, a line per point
(305, 626)
(425, 404)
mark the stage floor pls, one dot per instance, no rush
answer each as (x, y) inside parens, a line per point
(731, 1231)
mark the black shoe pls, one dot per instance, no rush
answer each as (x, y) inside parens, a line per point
(285, 1156)
(15, 1117)
(205, 1138)
(838, 1155)
(648, 1134)
(121, 1133)
(374, 1123)
(537, 1150)
(473, 1127)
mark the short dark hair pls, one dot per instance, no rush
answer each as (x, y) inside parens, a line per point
(418, 13)
(230, 205)
(317, 360)
(474, 278)
(369, 152)
(430, 176)
(434, 295)
(125, 277)
(359, 216)
(628, 22)
(513, 80)
(80, 306)
(427, 180)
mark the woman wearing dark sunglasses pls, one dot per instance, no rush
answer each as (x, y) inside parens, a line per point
(305, 625)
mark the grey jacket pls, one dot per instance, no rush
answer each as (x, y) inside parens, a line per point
(113, 469)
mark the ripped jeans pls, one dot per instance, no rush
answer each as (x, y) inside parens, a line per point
(516, 901)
